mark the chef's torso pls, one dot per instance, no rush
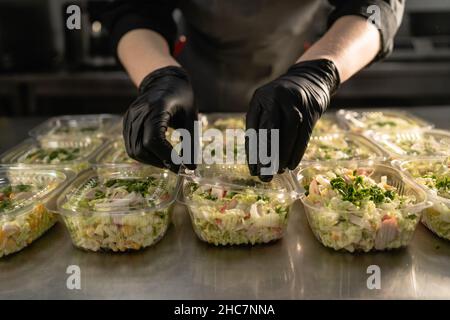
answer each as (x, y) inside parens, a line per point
(234, 46)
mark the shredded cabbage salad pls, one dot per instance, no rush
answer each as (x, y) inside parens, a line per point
(419, 145)
(76, 130)
(326, 125)
(228, 123)
(335, 148)
(117, 154)
(52, 156)
(52, 153)
(110, 214)
(349, 210)
(19, 230)
(380, 121)
(225, 215)
(434, 175)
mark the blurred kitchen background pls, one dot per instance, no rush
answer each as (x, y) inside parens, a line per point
(46, 69)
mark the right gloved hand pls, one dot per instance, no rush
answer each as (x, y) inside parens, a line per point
(165, 100)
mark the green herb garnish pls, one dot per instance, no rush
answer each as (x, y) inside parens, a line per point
(355, 191)
(385, 123)
(132, 185)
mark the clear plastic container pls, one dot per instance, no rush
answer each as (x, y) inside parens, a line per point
(428, 174)
(97, 125)
(118, 207)
(341, 146)
(229, 207)
(361, 206)
(382, 120)
(117, 128)
(414, 143)
(24, 194)
(327, 124)
(114, 153)
(47, 152)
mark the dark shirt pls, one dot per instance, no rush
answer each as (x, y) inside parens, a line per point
(235, 46)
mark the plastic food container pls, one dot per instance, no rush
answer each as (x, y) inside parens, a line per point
(98, 125)
(414, 143)
(327, 124)
(361, 206)
(222, 121)
(118, 207)
(60, 153)
(114, 153)
(381, 121)
(433, 175)
(229, 207)
(341, 146)
(24, 194)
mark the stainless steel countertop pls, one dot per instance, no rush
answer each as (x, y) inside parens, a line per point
(183, 267)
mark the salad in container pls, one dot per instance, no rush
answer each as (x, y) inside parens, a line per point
(118, 207)
(381, 121)
(415, 143)
(230, 207)
(222, 121)
(114, 153)
(341, 146)
(327, 124)
(73, 154)
(24, 194)
(433, 175)
(361, 206)
(93, 125)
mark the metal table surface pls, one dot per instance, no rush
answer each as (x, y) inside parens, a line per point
(183, 267)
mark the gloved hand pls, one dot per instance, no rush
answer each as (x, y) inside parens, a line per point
(292, 103)
(165, 99)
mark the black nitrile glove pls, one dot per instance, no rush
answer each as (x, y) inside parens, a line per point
(165, 100)
(292, 103)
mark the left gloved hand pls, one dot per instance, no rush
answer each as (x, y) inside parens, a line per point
(292, 103)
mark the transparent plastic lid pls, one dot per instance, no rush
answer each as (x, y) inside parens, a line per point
(92, 125)
(374, 170)
(341, 146)
(222, 121)
(114, 153)
(21, 188)
(327, 124)
(48, 151)
(237, 177)
(119, 189)
(381, 120)
(431, 174)
(415, 143)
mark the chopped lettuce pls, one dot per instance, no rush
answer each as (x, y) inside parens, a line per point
(347, 209)
(435, 176)
(19, 230)
(109, 214)
(224, 216)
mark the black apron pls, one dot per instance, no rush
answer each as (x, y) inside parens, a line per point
(235, 46)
